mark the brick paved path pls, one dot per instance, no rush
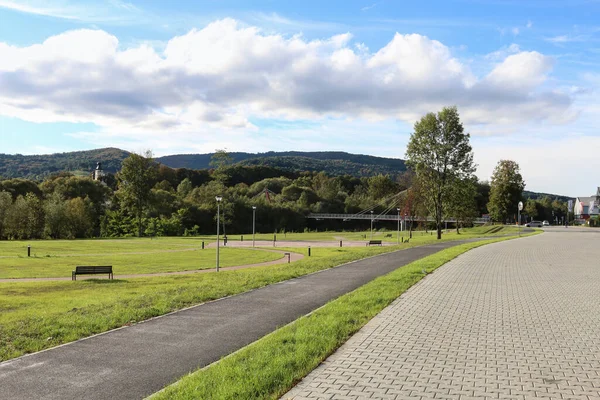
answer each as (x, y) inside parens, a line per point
(512, 320)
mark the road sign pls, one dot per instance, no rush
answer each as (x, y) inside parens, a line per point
(520, 206)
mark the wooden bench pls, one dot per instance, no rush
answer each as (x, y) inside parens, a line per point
(92, 270)
(374, 242)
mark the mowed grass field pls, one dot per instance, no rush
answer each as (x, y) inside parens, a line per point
(57, 258)
(386, 236)
(39, 315)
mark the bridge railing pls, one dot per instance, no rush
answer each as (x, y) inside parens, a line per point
(387, 217)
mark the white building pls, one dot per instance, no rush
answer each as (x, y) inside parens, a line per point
(586, 207)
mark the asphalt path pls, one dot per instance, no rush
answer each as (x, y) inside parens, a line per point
(136, 361)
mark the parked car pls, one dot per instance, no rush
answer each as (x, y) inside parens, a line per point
(534, 224)
(546, 223)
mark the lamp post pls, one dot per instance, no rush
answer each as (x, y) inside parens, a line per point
(218, 199)
(253, 223)
(405, 215)
(371, 224)
(398, 235)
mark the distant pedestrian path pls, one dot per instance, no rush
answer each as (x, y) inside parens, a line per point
(283, 259)
(513, 320)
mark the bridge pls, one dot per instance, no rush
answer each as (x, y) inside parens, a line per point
(388, 217)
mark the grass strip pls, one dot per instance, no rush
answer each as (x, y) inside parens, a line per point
(38, 315)
(271, 366)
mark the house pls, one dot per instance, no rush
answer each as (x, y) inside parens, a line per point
(586, 207)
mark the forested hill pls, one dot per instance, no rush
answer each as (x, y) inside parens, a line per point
(82, 162)
(37, 167)
(331, 162)
(538, 196)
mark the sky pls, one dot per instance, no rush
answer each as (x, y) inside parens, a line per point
(192, 77)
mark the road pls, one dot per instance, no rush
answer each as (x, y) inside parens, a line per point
(518, 319)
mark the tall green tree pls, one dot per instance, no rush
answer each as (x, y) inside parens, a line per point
(5, 204)
(531, 208)
(136, 179)
(220, 161)
(440, 154)
(506, 190)
(57, 225)
(462, 202)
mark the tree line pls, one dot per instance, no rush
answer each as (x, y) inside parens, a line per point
(146, 198)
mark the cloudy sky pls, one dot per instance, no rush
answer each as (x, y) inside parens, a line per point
(192, 77)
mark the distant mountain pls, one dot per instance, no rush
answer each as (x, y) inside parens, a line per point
(37, 167)
(331, 162)
(83, 162)
(536, 196)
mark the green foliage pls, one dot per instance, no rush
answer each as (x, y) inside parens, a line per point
(506, 190)
(25, 218)
(136, 178)
(440, 154)
(462, 202)
(184, 188)
(5, 204)
(38, 167)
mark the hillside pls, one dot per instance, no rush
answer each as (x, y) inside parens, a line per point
(537, 196)
(37, 167)
(334, 163)
(331, 162)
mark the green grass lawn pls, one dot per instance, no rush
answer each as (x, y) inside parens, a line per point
(271, 366)
(39, 315)
(481, 231)
(43, 248)
(129, 257)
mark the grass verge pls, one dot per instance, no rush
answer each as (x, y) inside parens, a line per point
(38, 315)
(269, 367)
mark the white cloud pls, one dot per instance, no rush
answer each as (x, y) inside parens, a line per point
(503, 52)
(112, 11)
(568, 174)
(561, 39)
(221, 77)
(367, 8)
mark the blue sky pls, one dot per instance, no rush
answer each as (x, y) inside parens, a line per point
(187, 77)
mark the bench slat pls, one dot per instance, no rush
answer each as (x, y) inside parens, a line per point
(92, 270)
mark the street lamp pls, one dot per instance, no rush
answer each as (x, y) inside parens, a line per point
(406, 215)
(398, 235)
(371, 224)
(218, 199)
(253, 223)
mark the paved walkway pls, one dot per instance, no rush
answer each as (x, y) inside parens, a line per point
(513, 320)
(133, 362)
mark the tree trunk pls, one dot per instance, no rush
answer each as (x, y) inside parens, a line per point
(438, 222)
